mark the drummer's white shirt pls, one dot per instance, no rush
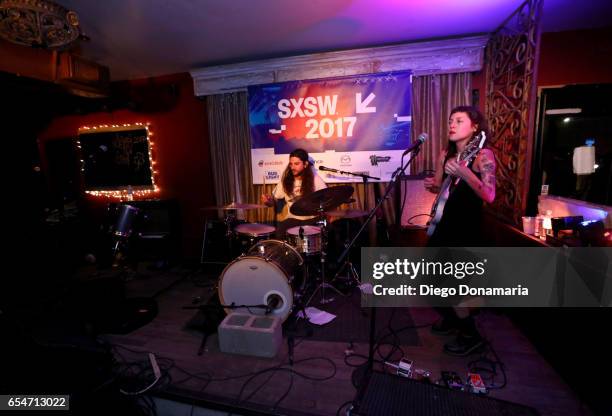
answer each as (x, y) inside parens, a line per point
(279, 193)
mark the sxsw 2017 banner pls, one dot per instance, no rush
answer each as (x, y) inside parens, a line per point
(355, 124)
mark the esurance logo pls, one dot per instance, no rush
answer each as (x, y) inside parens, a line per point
(261, 163)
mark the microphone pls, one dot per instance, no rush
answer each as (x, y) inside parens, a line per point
(419, 141)
(301, 233)
(327, 169)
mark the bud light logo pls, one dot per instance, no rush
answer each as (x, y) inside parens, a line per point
(345, 160)
(272, 175)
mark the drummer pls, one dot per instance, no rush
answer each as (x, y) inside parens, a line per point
(299, 179)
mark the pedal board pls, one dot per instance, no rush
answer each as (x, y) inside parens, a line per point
(391, 395)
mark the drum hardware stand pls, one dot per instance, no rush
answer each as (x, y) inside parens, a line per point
(230, 219)
(323, 285)
(394, 178)
(352, 274)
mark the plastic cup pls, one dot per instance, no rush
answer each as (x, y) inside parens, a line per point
(529, 225)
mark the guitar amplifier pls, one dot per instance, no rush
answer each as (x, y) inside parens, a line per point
(418, 202)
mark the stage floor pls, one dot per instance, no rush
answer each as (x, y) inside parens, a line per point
(321, 380)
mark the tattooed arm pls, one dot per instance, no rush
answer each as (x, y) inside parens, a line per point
(485, 163)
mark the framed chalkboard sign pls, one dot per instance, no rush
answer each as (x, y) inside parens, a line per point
(115, 158)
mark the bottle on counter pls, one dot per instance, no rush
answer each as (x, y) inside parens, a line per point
(547, 223)
(539, 227)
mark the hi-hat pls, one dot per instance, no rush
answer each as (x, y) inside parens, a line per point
(235, 205)
(322, 200)
(348, 213)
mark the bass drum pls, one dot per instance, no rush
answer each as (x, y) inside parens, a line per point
(269, 274)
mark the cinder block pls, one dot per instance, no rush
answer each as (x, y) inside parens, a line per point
(246, 334)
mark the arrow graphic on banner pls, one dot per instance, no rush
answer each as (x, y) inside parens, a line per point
(362, 106)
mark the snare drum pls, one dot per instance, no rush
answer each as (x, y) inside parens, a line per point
(306, 238)
(250, 233)
(269, 274)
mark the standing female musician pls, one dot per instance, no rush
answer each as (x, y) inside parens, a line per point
(461, 222)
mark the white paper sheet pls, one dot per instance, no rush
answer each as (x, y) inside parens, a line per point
(317, 316)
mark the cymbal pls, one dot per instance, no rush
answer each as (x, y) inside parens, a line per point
(348, 213)
(322, 200)
(235, 205)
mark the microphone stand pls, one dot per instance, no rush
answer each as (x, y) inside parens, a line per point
(351, 272)
(394, 178)
(363, 176)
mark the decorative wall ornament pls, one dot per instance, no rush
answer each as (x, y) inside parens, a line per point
(512, 61)
(38, 23)
(422, 58)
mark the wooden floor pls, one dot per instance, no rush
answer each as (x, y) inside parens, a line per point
(215, 375)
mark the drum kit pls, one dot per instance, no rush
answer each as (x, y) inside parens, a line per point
(270, 276)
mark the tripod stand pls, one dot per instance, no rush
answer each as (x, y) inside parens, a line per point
(351, 273)
(323, 285)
